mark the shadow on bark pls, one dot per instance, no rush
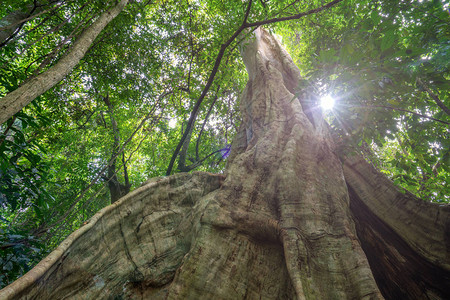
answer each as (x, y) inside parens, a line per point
(410, 256)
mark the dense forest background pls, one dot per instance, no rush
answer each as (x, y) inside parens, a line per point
(163, 70)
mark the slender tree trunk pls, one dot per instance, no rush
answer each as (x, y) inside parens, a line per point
(22, 96)
(116, 189)
(288, 221)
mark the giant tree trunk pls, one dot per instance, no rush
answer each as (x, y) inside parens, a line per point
(23, 95)
(279, 225)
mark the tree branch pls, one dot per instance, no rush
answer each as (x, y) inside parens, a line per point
(204, 123)
(22, 96)
(154, 121)
(202, 96)
(102, 170)
(401, 109)
(247, 12)
(199, 162)
(294, 17)
(434, 96)
(7, 129)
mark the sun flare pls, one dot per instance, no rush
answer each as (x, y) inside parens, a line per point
(327, 102)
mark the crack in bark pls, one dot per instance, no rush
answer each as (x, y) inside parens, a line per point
(137, 274)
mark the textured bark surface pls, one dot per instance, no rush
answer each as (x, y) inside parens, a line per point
(140, 239)
(23, 95)
(279, 225)
(284, 182)
(407, 240)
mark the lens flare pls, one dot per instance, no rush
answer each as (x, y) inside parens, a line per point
(327, 102)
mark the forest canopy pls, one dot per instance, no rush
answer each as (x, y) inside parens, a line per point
(157, 92)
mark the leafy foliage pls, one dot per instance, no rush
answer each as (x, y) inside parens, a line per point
(383, 62)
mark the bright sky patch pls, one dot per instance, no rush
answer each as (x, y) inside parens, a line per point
(172, 123)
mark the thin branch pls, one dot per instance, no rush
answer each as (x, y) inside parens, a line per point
(28, 18)
(154, 121)
(17, 29)
(247, 12)
(262, 3)
(53, 30)
(125, 171)
(199, 162)
(294, 17)
(53, 12)
(9, 32)
(58, 48)
(401, 109)
(434, 96)
(291, 4)
(204, 123)
(13, 119)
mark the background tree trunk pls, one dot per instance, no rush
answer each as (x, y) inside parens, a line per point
(22, 96)
(116, 189)
(278, 226)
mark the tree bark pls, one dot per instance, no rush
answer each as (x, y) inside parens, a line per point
(22, 96)
(288, 221)
(406, 239)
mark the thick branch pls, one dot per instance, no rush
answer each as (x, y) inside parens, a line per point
(203, 94)
(22, 96)
(79, 267)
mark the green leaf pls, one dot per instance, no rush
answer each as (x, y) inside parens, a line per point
(388, 40)
(328, 55)
(375, 17)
